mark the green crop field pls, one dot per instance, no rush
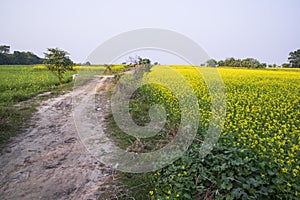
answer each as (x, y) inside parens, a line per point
(19, 83)
(258, 153)
(22, 82)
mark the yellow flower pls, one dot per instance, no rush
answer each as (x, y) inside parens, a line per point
(295, 172)
(151, 192)
(284, 170)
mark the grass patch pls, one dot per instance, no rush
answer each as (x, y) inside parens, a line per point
(20, 83)
(130, 185)
(13, 118)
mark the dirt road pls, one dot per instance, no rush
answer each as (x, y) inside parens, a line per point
(48, 160)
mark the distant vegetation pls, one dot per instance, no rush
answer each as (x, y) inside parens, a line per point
(294, 62)
(17, 58)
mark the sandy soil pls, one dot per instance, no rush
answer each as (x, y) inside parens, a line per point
(48, 160)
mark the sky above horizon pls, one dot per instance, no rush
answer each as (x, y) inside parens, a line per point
(266, 30)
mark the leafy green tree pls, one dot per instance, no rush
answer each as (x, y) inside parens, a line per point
(221, 63)
(146, 63)
(252, 63)
(4, 59)
(87, 63)
(58, 62)
(294, 58)
(286, 65)
(211, 63)
(4, 49)
(230, 62)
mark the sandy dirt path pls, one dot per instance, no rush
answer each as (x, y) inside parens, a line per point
(48, 160)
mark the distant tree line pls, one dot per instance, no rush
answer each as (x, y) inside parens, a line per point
(294, 62)
(17, 57)
(232, 62)
(28, 58)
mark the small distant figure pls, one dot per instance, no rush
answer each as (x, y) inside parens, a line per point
(107, 69)
(74, 76)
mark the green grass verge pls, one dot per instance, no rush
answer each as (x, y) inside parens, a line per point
(23, 82)
(18, 84)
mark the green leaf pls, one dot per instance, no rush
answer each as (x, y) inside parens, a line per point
(186, 195)
(237, 192)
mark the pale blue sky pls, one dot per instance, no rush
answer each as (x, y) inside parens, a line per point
(264, 29)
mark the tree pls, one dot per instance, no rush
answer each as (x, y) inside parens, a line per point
(252, 63)
(285, 65)
(231, 62)
(87, 63)
(4, 49)
(294, 58)
(144, 61)
(58, 62)
(211, 63)
(144, 64)
(221, 63)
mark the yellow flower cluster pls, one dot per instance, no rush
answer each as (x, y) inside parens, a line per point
(263, 115)
(263, 112)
